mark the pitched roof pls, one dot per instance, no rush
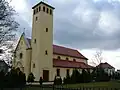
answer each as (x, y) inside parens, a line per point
(105, 65)
(27, 41)
(60, 50)
(44, 4)
(70, 64)
(67, 51)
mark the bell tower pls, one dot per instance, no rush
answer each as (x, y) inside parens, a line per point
(42, 41)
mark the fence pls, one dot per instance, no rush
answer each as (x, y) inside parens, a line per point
(60, 87)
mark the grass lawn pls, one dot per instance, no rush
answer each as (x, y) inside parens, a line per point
(112, 84)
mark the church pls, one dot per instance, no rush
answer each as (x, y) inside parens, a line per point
(39, 55)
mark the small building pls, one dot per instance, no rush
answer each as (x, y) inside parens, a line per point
(107, 68)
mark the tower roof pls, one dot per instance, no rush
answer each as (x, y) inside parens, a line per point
(44, 4)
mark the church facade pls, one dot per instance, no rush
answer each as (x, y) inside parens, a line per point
(39, 55)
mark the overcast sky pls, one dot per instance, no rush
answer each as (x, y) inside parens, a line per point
(81, 24)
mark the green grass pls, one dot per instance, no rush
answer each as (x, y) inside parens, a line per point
(95, 84)
(111, 84)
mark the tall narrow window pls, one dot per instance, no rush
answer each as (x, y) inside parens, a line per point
(58, 72)
(21, 55)
(46, 53)
(50, 12)
(68, 72)
(47, 10)
(39, 8)
(44, 9)
(46, 29)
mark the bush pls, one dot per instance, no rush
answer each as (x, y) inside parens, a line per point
(57, 80)
(101, 75)
(67, 79)
(30, 78)
(85, 76)
(75, 77)
(13, 79)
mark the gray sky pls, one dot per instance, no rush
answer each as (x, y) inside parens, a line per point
(80, 24)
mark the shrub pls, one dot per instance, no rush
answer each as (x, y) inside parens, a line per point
(57, 80)
(86, 76)
(101, 75)
(30, 78)
(75, 77)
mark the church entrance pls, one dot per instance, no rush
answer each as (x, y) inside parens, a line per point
(46, 75)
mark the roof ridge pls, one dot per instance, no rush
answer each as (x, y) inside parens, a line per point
(65, 47)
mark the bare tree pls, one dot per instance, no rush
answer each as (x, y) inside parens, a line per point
(8, 26)
(97, 59)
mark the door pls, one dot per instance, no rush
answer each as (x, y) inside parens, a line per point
(46, 75)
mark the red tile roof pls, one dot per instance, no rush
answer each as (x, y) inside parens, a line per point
(105, 65)
(60, 50)
(70, 64)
